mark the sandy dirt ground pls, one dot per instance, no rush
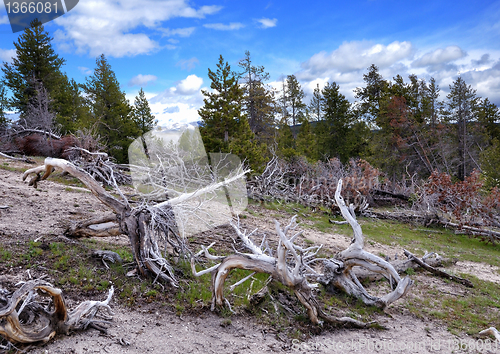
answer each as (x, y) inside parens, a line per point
(34, 214)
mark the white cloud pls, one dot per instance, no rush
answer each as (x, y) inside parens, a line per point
(223, 27)
(356, 56)
(268, 22)
(7, 54)
(181, 32)
(84, 70)
(188, 64)
(347, 64)
(109, 27)
(439, 57)
(183, 90)
(189, 85)
(174, 113)
(485, 81)
(4, 20)
(179, 104)
(141, 80)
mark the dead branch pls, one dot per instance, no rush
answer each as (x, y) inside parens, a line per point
(100, 166)
(31, 322)
(401, 266)
(27, 131)
(438, 272)
(22, 159)
(82, 229)
(51, 164)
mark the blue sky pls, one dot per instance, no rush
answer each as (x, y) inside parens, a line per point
(166, 46)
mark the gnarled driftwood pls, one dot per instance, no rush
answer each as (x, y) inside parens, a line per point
(31, 322)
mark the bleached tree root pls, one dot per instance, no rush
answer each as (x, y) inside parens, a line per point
(293, 266)
(339, 273)
(31, 322)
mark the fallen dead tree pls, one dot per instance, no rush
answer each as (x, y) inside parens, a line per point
(178, 193)
(142, 224)
(295, 267)
(24, 319)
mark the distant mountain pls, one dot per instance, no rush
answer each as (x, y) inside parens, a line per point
(176, 126)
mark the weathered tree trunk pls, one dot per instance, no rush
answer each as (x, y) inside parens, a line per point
(142, 224)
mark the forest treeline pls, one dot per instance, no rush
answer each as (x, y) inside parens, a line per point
(404, 127)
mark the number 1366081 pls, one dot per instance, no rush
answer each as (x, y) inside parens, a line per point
(31, 7)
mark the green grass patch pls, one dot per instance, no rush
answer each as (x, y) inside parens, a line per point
(470, 314)
(442, 241)
(8, 167)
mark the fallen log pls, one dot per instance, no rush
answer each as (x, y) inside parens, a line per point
(438, 272)
(22, 159)
(83, 229)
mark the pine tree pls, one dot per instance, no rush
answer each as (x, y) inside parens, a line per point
(141, 111)
(258, 103)
(431, 106)
(285, 141)
(110, 110)
(306, 144)
(339, 120)
(461, 106)
(489, 117)
(224, 126)
(490, 160)
(69, 106)
(35, 61)
(314, 107)
(4, 121)
(372, 94)
(295, 95)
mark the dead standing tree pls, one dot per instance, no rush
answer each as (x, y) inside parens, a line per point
(294, 266)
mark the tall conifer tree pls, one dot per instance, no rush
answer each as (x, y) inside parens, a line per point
(224, 126)
(110, 110)
(35, 60)
(141, 111)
